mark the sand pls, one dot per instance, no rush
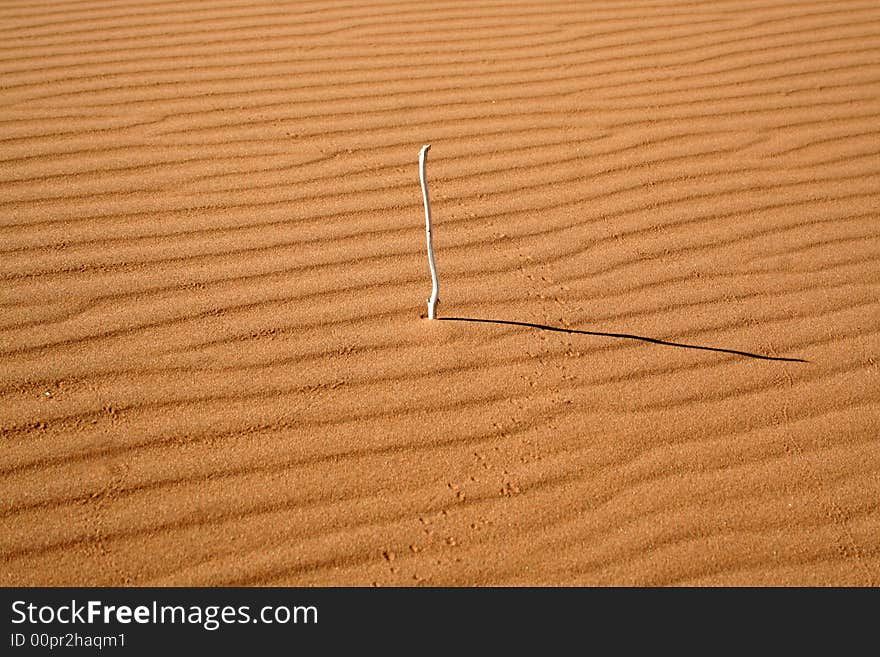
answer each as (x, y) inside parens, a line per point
(656, 228)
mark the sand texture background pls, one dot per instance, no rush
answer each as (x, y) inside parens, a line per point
(214, 366)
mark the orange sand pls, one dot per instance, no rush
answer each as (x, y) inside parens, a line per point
(214, 370)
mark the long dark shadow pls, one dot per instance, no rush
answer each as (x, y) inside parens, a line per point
(625, 336)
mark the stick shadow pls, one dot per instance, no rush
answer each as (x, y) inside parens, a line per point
(623, 336)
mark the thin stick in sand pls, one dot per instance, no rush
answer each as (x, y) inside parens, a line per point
(435, 282)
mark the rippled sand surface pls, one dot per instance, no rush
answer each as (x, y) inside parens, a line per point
(656, 225)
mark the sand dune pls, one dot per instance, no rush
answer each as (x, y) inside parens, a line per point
(656, 227)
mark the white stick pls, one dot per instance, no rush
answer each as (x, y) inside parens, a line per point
(435, 282)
